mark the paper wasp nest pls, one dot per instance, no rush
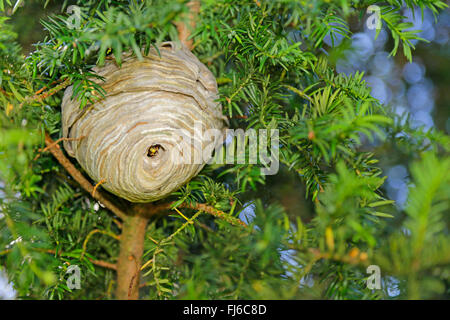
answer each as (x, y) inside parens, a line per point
(132, 136)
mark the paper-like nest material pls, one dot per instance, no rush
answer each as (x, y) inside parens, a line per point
(132, 136)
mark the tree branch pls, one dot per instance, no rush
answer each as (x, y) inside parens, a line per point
(184, 30)
(99, 263)
(78, 176)
(38, 96)
(150, 209)
(104, 264)
(215, 212)
(130, 257)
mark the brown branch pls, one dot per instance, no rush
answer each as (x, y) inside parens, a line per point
(130, 257)
(99, 263)
(45, 95)
(58, 141)
(104, 264)
(97, 185)
(150, 209)
(78, 176)
(55, 143)
(45, 87)
(118, 223)
(184, 30)
(214, 212)
(108, 233)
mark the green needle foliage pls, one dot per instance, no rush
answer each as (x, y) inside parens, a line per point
(274, 72)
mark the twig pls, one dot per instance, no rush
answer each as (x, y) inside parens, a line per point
(97, 185)
(99, 263)
(118, 223)
(45, 95)
(214, 212)
(45, 87)
(55, 144)
(188, 222)
(91, 234)
(149, 209)
(103, 264)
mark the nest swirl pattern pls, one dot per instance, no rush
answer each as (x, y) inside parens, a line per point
(131, 136)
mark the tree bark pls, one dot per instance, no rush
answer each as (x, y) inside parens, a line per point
(184, 30)
(130, 257)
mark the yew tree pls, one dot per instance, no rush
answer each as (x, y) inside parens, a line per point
(230, 232)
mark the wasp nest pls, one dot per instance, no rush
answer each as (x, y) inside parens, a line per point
(131, 137)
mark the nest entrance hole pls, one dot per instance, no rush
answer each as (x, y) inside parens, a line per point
(154, 149)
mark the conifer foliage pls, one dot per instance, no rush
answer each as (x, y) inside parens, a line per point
(221, 236)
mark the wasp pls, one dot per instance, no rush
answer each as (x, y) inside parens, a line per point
(108, 54)
(153, 150)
